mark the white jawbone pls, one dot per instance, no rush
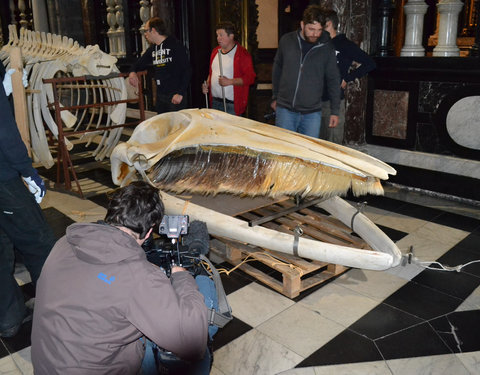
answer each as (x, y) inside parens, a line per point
(284, 163)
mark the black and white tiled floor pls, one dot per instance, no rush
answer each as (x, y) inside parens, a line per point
(407, 320)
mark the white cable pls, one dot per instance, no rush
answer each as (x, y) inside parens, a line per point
(426, 265)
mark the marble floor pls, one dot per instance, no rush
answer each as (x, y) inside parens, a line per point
(407, 320)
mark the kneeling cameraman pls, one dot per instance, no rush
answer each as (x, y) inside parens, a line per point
(98, 296)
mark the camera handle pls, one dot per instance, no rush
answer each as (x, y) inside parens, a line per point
(224, 313)
(178, 262)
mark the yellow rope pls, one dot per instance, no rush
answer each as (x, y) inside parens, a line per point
(185, 207)
(82, 214)
(250, 258)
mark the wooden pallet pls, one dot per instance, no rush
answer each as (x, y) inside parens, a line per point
(297, 274)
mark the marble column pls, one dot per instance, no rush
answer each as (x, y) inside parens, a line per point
(22, 7)
(120, 32)
(448, 24)
(386, 11)
(112, 22)
(415, 12)
(144, 16)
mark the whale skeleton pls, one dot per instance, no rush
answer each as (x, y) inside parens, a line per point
(47, 56)
(207, 151)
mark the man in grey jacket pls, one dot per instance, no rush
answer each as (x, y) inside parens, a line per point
(304, 59)
(98, 296)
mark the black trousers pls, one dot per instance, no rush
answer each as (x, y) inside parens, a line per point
(22, 227)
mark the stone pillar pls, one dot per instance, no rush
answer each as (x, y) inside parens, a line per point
(415, 12)
(116, 32)
(447, 33)
(22, 7)
(120, 32)
(144, 16)
(112, 22)
(386, 14)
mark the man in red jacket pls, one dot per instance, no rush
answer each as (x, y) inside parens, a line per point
(231, 73)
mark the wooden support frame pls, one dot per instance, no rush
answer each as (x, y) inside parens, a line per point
(19, 99)
(64, 163)
(297, 274)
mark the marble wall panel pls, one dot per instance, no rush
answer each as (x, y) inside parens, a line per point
(428, 140)
(431, 94)
(390, 114)
(355, 101)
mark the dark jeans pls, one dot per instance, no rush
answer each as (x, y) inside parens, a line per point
(303, 123)
(158, 362)
(164, 103)
(23, 227)
(216, 104)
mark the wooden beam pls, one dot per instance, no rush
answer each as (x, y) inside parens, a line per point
(19, 99)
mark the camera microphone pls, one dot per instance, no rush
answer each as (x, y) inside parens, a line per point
(198, 238)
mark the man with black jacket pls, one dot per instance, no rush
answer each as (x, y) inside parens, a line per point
(172, 69)
(304, 59)
(22, 224)
(347, 52)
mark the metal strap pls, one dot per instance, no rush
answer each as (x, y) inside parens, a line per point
(297, 233)
(360, 207)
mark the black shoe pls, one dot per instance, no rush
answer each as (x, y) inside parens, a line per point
(10, 332)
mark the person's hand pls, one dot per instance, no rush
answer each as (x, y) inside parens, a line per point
(343, 84)
(7, 81)
(273, 105)
(36, 186)
(177, 99)
(133, 79)
(224, 81)
(177, 269)
(333, 121)
(205, 88)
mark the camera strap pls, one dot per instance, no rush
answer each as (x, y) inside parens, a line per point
(223, 315)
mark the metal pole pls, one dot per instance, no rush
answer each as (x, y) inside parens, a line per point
(219, 54)
(206, 95)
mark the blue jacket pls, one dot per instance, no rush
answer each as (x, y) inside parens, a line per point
(14, 159)
(297, 85)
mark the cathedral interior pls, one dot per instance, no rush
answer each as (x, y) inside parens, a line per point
(417, 111)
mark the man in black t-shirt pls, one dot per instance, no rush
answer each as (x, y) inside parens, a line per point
(172, 69)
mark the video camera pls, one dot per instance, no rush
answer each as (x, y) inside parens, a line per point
(185, 244)
(180, 244)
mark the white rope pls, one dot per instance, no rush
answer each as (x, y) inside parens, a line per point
(441, 267)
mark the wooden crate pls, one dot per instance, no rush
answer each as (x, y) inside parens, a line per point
(298, 274)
